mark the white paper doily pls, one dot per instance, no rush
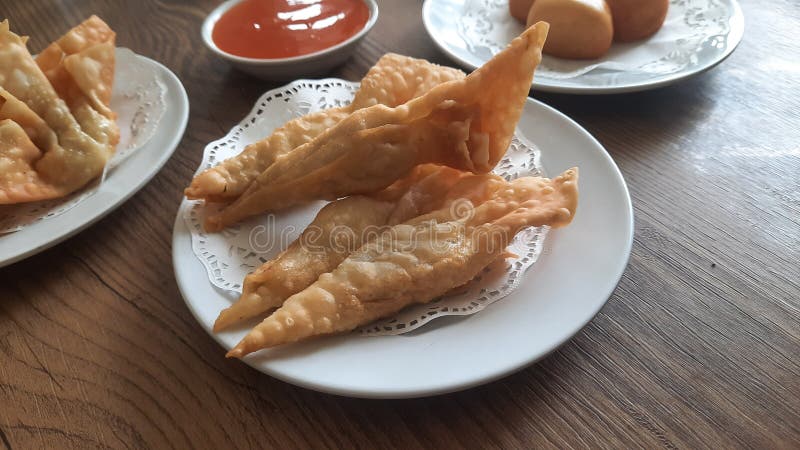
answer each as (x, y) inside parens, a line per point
(230, 255)
(487, 27)
(138, 101)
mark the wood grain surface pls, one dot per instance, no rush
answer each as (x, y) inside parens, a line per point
(699, 346)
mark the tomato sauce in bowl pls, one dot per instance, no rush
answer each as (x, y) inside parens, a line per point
(273, 29)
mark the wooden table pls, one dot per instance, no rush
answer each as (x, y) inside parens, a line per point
(699, 345)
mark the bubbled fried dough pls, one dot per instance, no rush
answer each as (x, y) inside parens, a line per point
(409, 265)
(392, 81)
(94, 79)
(77, 158)
(19, 182)
(344, 225)
(80, 67)
(338, 229)
(465, 124)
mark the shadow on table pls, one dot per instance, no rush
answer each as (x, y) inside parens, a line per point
(502, 404)
(641, 121)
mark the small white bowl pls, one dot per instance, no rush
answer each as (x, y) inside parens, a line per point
(312, 64)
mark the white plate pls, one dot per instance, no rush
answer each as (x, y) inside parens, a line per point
(574, 276)
(120, 183)
(444, 21)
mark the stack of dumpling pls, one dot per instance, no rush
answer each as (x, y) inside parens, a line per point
(415, 211)
(57, 131)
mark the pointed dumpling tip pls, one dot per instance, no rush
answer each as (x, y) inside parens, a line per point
(235, 352)
(536, 34)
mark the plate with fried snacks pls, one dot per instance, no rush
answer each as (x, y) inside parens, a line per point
(84, 124)
(394, 194)
(594, 46)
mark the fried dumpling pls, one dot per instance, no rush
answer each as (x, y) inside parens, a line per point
(19, 182)
(393, 80)
(396, 79)
(338, 229)
(96, 82)
(415, 262)
(23, 135)
(84, 35)
(466, 124)
(80, 66)
(95, 118)
(226, 181)
(315, 252)
(78, 158)
(346, 224)
(35, 127)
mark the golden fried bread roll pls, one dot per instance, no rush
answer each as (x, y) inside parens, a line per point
(519, 9)
(636, 19)
(579, 29)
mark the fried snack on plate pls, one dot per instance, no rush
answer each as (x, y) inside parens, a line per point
(465, 124)
(35, 127)
(338, 229)
(18, 180)
(415, 262)
(80, 66)
(92, 67)
(315, 252)
(581, 29)
(78, 158)
(353, 220)
(394, 80)
(96, 83)
(637, 19)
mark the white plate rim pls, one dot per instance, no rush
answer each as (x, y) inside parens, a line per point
(186, 277)
(553, 86)
(38, 242)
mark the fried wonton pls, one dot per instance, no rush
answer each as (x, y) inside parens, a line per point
(465, 124)
(23, 135)
(338, 229)
(80, 66)
(415, 262)
(95, 82)
(394, 80)
(18, 180)
(315, 252)
(35, 127)
(86, 69)
(78, 158)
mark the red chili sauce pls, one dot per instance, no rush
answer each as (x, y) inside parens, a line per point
(284, 28)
